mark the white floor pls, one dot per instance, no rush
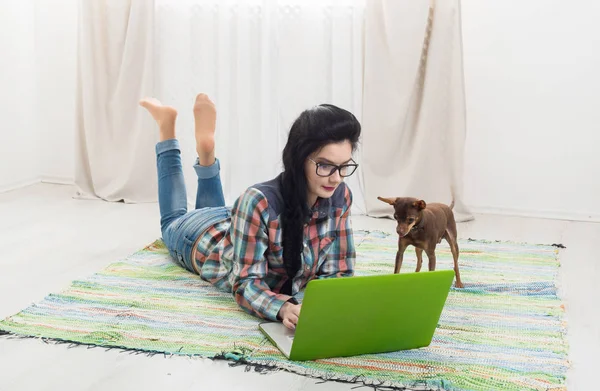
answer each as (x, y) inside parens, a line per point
(47, 239)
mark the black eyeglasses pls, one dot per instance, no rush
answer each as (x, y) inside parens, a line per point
(326, 169)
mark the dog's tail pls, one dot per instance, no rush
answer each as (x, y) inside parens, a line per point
(453, 196)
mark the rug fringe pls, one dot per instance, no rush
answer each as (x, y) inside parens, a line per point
(240, 357)
(76, 344)
(237, 357)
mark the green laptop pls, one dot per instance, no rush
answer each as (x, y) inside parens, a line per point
(360, 315)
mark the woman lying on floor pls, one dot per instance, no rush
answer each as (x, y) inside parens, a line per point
(279, 234)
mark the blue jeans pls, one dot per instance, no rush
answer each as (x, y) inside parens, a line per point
(181, 228)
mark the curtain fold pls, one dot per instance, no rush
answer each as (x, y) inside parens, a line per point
(413, 103)
(114, 138)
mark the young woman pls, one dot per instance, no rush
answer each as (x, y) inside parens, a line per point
(279, 234)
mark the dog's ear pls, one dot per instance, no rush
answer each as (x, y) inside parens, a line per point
(390, 201)
(420, 204)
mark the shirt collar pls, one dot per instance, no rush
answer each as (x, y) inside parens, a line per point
(322, 208)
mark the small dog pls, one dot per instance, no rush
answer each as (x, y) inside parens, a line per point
(424, 226)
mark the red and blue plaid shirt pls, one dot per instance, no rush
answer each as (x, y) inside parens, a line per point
(244, 254)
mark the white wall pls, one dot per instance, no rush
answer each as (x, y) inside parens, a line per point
(56, 69)
(37, 91)
(18, 135)
(533, 91)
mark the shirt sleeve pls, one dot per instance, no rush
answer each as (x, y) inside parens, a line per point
(249, 236)
(341, 257)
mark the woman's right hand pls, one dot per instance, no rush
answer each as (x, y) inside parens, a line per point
(289, 313)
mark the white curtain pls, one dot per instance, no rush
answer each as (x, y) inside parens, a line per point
(262, 62)
(115, 140)
(413, 103)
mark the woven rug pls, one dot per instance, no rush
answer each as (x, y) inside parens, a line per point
(504, 331)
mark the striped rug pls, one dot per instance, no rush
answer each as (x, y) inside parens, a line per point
(504, 331)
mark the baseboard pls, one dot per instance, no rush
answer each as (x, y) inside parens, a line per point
(541, 214)
(18, 185)
(59, 180)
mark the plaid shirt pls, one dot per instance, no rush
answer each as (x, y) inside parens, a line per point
(244, 254)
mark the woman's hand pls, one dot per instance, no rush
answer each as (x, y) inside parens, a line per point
(289, 314)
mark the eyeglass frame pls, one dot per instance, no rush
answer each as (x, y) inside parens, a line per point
(336, 168)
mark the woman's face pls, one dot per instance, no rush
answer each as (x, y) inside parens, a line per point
(331, 154)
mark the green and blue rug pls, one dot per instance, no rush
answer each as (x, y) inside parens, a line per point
(504, 331)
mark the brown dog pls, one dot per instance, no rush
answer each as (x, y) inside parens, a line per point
(424, 226)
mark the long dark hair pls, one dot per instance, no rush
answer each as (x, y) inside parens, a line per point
(312, 130)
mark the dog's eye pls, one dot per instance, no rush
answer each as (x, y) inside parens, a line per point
(411, 220)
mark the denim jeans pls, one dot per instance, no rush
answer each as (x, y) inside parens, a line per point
(181, 228)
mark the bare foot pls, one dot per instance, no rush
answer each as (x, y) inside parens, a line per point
(164, 116)
(205, 118)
